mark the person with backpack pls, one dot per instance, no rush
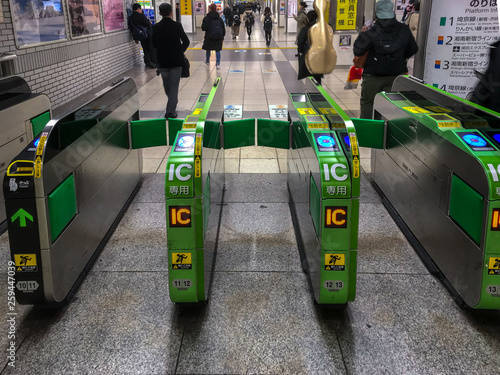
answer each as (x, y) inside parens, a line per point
(267, 20)
(235, 22)
(249, 20)
(138, 20)
(214, 29)
(388, 44)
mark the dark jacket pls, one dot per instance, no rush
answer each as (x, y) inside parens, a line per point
(139, 19)
(487, 91)
(227, 12)
(386, 64)
(212, 44)
(170, 42)
(302, 47)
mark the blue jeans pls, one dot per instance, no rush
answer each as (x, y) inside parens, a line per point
(217, 57)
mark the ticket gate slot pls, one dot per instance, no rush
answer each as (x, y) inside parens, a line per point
(80, 174)
(25, 114)
(439, 172)
(194, 195)
(324, 195)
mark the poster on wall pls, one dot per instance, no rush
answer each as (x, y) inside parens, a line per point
(37, 21)
(114, 18)
(84, 17)
(199, 7)
(292, 8)
(458, 43)
(346, 14)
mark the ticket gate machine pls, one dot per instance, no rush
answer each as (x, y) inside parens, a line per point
(194, 191)
(24, 115)
(323, 181)
(74, 180)
(440, 171)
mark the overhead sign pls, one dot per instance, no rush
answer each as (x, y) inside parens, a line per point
(186, 8)
(278, 111)
(233, 112)
(347, 11)
(458, 43)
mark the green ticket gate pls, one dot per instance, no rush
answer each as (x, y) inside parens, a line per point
(439, 169)
(323, 180)
(194, 191)
(72, 182)
(24, 116)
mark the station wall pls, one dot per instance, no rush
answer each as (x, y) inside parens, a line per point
(64, 70)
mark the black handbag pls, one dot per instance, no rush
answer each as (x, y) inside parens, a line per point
(185, 68)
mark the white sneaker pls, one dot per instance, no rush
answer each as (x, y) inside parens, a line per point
(217, 67)
(207, 62)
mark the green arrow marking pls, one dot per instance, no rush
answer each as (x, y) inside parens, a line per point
(22, 215)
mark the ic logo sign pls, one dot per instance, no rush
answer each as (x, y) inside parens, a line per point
(495, 220)
(494, 172)
(179, 216)
(177, 172)
(336, 217)
(334, 172)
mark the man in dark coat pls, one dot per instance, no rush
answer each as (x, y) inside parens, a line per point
(214, 29)
(138, 18)
(389, 45)
(487, 91)
(171, 42)
(227, 14)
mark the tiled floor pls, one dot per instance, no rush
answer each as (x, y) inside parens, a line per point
(261, 318)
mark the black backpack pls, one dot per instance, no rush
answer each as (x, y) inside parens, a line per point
(249, 21)
(388, 49)
(214, 29)
(268, 23)
(236, 19)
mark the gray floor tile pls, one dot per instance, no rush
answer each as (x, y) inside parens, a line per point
(249, 188)
(276, 332)
(382, 248)
(120, 323)
(409, 324)
(368, 194)
(152, 189)
(257, 237)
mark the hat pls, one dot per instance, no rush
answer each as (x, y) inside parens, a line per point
(384, 9)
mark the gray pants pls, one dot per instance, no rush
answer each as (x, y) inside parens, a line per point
(171, 78)
(370, 87)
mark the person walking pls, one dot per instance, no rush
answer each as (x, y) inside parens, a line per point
(303, 46)
(412, 20)
(235, 22)
(171, 42)
(227, 14)
(388, 45)
(177, 12)
(249, 20)
(138, 18)
(214, 29)
(301, 19)
(267, 20)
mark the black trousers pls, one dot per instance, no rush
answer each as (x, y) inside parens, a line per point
(249, 30)
(149, 50)
(268, 36)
